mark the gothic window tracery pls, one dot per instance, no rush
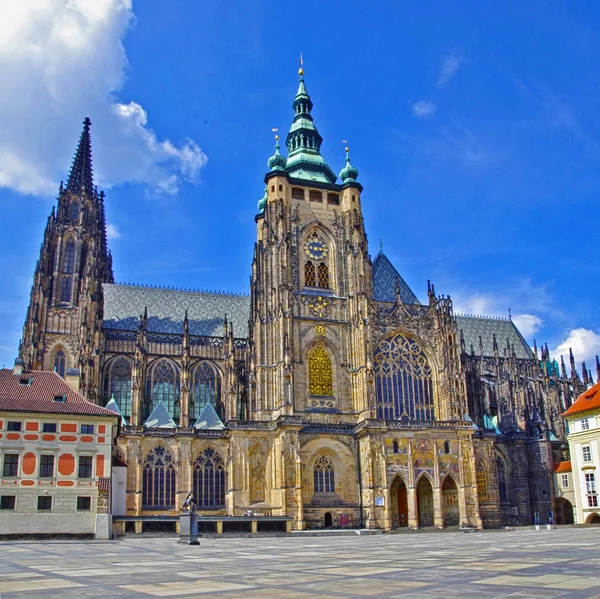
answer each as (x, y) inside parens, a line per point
(60, 363)
(206, 388)
(309, 274)
(209, 480)
(74, 211)
(158, 480)
(118, 384)
(320, 373)
(163, 385)
(482, 483)
(65, 289)
(403, 379)
(323, 276)
(69, 268)
(324, 476)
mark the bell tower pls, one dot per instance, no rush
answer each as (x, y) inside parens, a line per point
(64, 318)
(310, 285)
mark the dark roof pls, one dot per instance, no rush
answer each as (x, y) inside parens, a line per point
(38, 393)
(486, 327)
(123, 305)
(588, 400)
(385, 278)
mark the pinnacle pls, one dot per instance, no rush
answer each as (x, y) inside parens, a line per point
(81, 175)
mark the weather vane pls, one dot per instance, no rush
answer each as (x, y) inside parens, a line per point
(275, 130)
(301, 69)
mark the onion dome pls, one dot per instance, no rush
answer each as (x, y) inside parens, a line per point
(349, 173)
(277, 162)
(262, 202)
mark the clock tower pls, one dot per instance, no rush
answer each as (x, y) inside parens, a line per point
(311, 282)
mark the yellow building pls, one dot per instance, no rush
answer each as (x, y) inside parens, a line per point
(330, 394)
(56, 454)
(583, 419)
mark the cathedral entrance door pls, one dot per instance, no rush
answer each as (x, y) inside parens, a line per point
(425, 502)
(450, 502)
(328, 520)
(399, 503)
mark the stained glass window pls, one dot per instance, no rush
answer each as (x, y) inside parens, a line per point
(309, 274)
(163, 385)
(69, 257)
(320, 375)
(209, 480)
(74, 211)
(403, 380)
(118, 384)
(158, 480)
(501, 479)
(65, 289)
(323, 276)
(60, 363)
(324, 476)
(482, 485)
(206, 388)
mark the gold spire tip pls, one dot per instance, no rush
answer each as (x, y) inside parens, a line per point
(301, 69)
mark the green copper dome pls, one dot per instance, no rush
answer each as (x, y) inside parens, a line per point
(349, 173)
(262, 202)
(277, 162)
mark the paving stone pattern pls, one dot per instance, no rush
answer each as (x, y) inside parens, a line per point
(523, 563)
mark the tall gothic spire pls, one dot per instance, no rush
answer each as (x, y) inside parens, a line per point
(81, 175)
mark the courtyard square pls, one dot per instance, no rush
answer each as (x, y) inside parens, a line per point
(523, 563)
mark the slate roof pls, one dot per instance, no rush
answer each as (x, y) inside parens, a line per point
(208, 419)
(475, 326)
(160, 417)
(588, 400)
(123, 305)
(113, 406)
(39, 396)
(384, 282)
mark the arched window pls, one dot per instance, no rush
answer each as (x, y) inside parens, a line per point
(82, 260)
(323, 276)
(209, 480)
(162, 384)
(324, 476)
(403, 380)
(309, 274)
(69, 257)
(206, 388)
(158, 480)
(501, 479)
(74, 211)
(60, 363)
(320, 375)
(482, 485)
(446, 447)
(65, 289)
(86, 215)
(395, 446)
(118, 384)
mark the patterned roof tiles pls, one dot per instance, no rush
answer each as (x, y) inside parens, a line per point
(123, 305)
(474, 327)
(38, 395)
(385, 277)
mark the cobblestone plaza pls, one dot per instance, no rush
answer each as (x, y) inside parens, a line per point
(523, 563)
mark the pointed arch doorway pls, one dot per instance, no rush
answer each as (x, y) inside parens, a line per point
(450, 502)
(399, 503)
(425, 502)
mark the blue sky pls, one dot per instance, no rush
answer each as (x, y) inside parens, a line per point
(474, 126)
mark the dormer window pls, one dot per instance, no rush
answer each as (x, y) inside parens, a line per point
(26, 381)
(60, 398)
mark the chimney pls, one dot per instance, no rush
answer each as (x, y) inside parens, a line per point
(18, 368)
(72, 378)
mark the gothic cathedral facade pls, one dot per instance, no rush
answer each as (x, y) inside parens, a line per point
(330, 394)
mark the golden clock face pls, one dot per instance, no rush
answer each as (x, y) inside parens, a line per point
(315, 249)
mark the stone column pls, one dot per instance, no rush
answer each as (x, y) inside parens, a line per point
(438, 513)
(413, 518)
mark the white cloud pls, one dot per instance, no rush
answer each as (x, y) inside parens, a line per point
(423, 109)
(62, 60)
(112, 231)
(528, 324)
(450, 67)
(585, 344)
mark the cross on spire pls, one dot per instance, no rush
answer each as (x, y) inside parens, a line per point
(81, 176)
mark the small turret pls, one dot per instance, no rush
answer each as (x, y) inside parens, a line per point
(277, 162)
(349, 173)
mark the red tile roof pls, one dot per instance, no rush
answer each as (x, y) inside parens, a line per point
(39, 395)
(563, 467)
(588, 400)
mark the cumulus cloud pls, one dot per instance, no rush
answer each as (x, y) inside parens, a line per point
(62, 60)
(585, 344)
(112, 231)
(528, 324)
(423, 109)
(452, 63)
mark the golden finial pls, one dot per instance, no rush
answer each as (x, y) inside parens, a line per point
(345, 141)
(275, 130)
(301, 69)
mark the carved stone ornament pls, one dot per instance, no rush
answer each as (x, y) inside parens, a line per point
(318, 306)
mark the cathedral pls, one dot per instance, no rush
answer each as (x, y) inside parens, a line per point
(330, 394)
